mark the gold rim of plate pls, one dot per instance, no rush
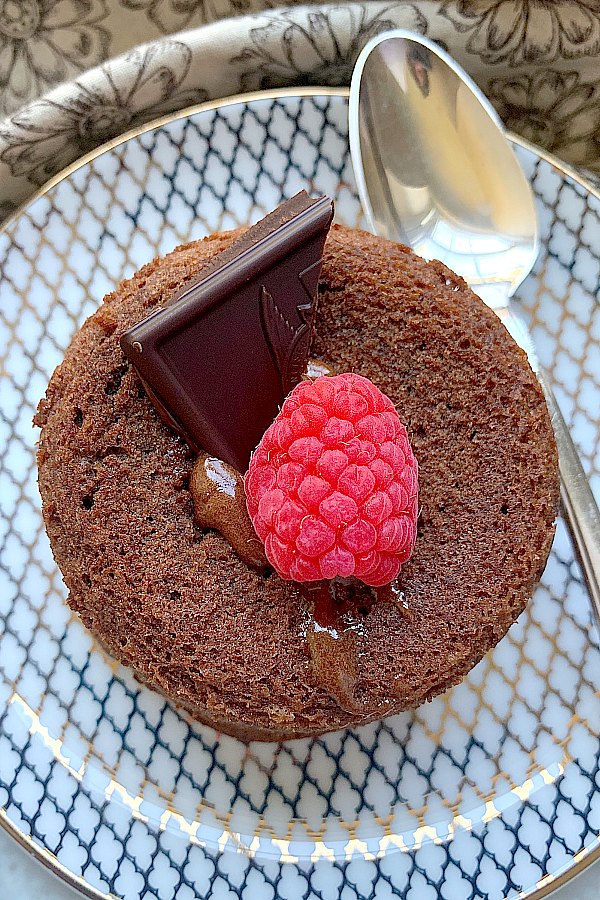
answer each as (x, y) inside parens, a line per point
(581, 860)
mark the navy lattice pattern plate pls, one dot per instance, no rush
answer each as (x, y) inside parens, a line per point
(490, 791)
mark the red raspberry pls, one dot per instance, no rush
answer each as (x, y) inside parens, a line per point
(332, 486)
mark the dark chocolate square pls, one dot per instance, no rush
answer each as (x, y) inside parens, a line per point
(220, 358)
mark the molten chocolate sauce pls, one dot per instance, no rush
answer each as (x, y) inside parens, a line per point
(335, 620)
(338, 610)
(219, 502)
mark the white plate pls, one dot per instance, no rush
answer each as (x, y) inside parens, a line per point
(491, 790)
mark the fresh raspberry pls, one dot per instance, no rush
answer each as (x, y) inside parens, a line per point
(332, 486)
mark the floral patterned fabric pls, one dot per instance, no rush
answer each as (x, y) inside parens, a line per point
(75, 73)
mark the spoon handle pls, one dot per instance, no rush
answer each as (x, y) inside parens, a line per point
(579, 504)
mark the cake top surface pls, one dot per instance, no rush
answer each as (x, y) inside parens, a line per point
(174, 600)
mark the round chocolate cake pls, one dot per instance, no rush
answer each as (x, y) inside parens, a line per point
(233, 644)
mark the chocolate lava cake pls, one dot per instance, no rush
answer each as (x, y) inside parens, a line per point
(229, 643)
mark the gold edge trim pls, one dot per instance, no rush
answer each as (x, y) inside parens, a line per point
(550, 883)
(583, 859)
(563, 167)
(249, 845)
(545, 886)
(242, 843)
(47, 859)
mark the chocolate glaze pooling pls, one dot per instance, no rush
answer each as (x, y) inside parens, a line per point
(392, 593)
(220, 503)
(334, 622)
(217, 490)
(338, 613)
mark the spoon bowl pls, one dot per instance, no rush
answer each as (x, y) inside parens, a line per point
(436, 170)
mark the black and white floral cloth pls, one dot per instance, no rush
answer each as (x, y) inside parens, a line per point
(76, 73)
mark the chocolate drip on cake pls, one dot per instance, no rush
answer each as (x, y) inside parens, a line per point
(335, 616)
(219, 503)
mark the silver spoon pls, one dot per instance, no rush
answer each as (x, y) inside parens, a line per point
(435, 171)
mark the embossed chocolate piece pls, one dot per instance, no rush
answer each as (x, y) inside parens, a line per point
(220, 357)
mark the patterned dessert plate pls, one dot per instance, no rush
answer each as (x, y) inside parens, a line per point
(492, 790)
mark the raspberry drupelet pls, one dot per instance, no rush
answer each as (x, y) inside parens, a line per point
(332, 487)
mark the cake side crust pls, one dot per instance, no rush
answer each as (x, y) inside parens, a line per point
(178, 605)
